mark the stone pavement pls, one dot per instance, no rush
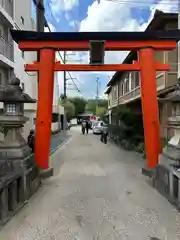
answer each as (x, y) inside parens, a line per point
(97, 193)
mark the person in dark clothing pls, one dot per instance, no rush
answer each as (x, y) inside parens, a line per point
(104, 133)
(31, 140)
(87, 127)
(83, 127)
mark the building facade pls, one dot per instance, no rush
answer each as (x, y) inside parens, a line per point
(16, 14)
(23, 21)
(58, 110)
(124, 87)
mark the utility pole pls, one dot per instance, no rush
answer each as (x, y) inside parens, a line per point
(97, 92)
(40, 14)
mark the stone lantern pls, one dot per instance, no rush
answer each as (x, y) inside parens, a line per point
(14, 145)
(167, 172)
(14, 148)
(171, 153)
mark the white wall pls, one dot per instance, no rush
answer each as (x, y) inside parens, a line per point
(22, 9)
(56, 89)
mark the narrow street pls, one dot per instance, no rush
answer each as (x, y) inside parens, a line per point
(97, 193)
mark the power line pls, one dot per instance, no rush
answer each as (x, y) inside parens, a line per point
(141, 3)
(62, 60)
(97, 92)
(145, 5)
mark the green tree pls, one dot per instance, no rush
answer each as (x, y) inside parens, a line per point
(100, 111)
(68, 107)
(91, 105)
(103, 103)
(79, 104)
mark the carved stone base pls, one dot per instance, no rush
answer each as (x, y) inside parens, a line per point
(147, 172)
(11, 190)
(167, 182)
(31, 182)
(17, 185)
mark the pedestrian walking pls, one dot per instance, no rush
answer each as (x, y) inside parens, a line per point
(87, 127)
(31, 139)
(83, 127)
(104, 133)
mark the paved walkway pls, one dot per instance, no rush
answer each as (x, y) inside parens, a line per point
(97, 193)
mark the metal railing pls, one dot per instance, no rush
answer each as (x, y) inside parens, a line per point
(6, 49)
(8, 6)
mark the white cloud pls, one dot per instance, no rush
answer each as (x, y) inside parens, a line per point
(114, 15)
(63, 5)
(117, 16)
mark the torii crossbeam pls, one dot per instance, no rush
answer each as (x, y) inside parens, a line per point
(145, 43)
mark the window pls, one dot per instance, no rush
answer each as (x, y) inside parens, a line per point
(1, 32)
(114, 93)
(121, 90)
(126, 86)
(1, 83)
(11, 109)
(130, 76)
(55, 117)
(22, 20)
(136, 79)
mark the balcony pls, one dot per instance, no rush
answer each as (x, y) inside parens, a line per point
(6, 49)
(114, 103)
(130, 96)
(160, 81)
(8, 6)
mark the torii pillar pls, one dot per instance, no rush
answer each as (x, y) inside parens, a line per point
(44, 110)
(150, 107)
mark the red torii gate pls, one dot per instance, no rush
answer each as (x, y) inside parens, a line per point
(145, 43)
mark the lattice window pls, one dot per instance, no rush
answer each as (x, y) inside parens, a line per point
(11, 109)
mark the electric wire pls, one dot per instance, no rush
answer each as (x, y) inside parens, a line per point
(36, 4)
(62, 60)
(140, 3)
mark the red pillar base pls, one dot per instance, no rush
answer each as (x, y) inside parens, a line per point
(47, 173)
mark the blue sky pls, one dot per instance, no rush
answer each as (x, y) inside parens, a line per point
(101, 15)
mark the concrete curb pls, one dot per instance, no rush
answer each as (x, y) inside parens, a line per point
(61, 143)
